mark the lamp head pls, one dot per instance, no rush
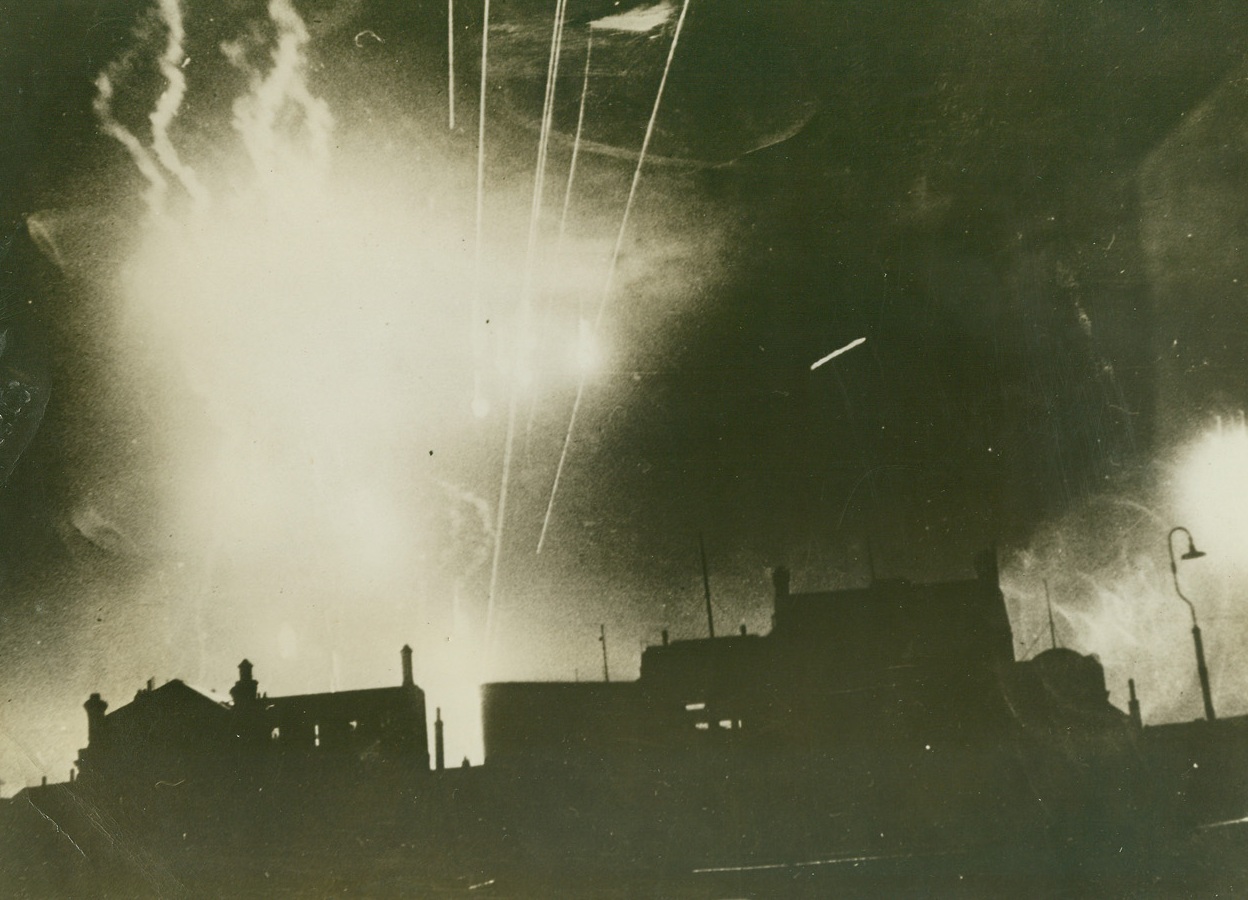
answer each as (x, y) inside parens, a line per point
(1192, 552)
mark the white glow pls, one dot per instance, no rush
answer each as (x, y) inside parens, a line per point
(636, 21)
(1212, 492)
(588, 350)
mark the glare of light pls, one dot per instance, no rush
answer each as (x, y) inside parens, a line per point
(480, 407)
(1212, 490)
(588, 350)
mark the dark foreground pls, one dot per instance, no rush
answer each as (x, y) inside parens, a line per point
(432, 837)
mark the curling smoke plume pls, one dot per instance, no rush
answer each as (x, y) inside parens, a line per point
(291, 340)
(282, 89)
(143, 161)
(170, 102)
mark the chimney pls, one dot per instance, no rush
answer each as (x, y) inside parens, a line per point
(664, 637)
(439, 752)
(151, 685)
(743, 631)
(1134, 705)
(780, 579)
(408, 680)
(244, 690)
(95, 708)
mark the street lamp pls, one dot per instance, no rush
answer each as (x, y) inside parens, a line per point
(1201, 669)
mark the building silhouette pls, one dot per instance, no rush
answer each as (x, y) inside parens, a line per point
(175, 732)
(888, 724)
(891, 662)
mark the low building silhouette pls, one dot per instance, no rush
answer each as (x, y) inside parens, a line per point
(176, 732)
(893, 714)
(837, 668)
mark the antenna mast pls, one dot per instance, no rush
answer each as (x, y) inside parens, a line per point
(602, 638)
(706, 587)
(1049, 603)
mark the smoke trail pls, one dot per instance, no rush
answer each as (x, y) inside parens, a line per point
(170, 103)
(103, 108)
(256, 114)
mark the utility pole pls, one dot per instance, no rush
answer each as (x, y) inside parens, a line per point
(450, 63)
(706, 587)
(1049, 604)
(602, 637)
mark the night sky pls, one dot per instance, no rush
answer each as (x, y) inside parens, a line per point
(251, 433)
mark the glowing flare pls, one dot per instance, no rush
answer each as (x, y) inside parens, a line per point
(1212, 486)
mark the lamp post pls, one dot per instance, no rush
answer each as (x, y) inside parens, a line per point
(1201, 669)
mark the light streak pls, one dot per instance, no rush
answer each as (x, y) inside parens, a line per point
(527, 336)
(835, 861)
(835, 353)
(525, 315)
(611, 266)
(641, 159)
(576, 143)
(1225, 824)
(450, 65)
(480, 406)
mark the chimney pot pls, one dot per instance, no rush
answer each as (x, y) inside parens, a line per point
(780, 580)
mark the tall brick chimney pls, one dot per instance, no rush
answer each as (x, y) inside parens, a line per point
(408, 680)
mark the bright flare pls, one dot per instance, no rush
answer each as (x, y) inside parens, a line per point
(1212, 492)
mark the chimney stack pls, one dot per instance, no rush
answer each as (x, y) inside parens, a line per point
(439, 750)
(95, 708)
(780, 580)
(664, 637)
(408, 680)
(1133, 706)
(244, 690)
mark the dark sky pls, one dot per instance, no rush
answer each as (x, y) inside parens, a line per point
(995, 195)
